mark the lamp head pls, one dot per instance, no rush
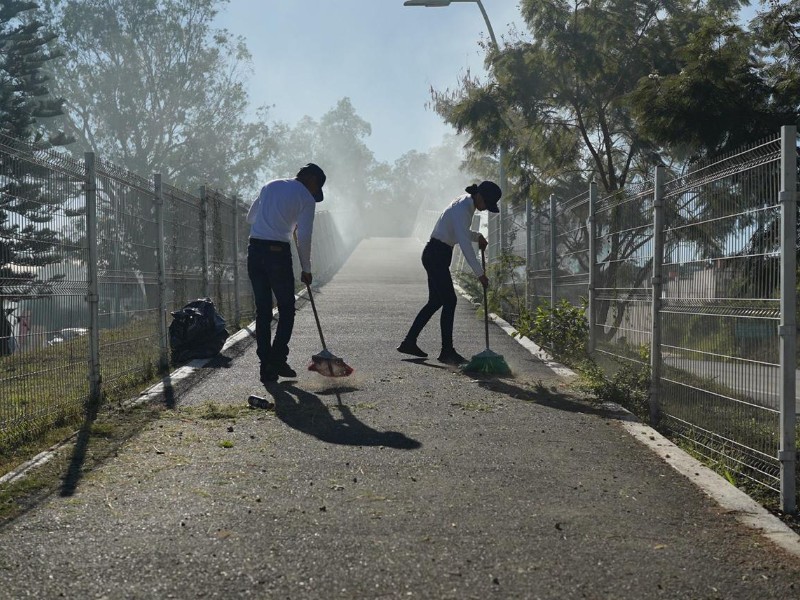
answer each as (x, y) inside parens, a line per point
(428, 3)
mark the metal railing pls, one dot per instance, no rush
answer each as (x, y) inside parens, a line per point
(93, 258)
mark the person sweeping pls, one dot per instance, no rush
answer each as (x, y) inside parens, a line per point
(452, 227)
(282, 206)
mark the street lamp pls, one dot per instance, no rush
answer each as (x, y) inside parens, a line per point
(444, 3)
(501, 152)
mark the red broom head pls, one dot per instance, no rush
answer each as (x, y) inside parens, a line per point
(329, 366)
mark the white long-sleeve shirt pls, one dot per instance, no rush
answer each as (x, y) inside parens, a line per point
(453, 227)
(282, 206)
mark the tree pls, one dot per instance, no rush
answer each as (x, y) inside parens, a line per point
(27, 208)
(563, 107)
(777, 31)
(713, 94)
(153, 87)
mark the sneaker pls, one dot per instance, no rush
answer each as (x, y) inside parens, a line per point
(284, 370)
(268, 374)
(451, 357)
(412, 349)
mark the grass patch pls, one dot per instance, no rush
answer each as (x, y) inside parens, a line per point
(473, 406)
(47, 388)
(212, 411)
(112, 428)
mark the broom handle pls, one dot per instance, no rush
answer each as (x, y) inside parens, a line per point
(311, 296)
(485, 301)
(316, 317)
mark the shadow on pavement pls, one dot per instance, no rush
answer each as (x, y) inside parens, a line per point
(424, 362)
(78, 458)
(550, 398)
(220, 361)
(304, 411)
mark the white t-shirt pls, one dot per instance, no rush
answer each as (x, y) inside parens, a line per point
(453, 227)
(282, 206)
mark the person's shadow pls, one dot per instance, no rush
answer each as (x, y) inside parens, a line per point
(304, 411)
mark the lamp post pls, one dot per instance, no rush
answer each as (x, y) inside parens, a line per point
(501, 152)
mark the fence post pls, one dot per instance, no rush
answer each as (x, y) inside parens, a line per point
(503, 215)
(92, 295)
(528, 251)
(491, 226)
(590, 225)
(788, 326)
(237, 311)
(204, 238)
(552, 251)
(161, 269)
(658, 262)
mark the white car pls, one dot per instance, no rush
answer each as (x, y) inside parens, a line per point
(67, 334)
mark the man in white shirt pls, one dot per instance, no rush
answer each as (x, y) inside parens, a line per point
(283, 206)
(453, 227)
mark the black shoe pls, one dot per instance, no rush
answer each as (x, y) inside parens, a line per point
(412, 349)
(284, 370)
(451, 357)
(268, 374)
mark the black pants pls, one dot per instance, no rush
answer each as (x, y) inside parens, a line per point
(436, 258)
(269, 266)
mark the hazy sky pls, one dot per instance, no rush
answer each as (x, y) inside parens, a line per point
(308, 54)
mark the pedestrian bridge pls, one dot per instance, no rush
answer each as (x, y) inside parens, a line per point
(408, 479)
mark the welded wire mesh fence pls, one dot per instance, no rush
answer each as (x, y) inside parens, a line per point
(42, 289)
(693, 281)
(571, 278)
(623, 292)
(93, 259)
(720, 311)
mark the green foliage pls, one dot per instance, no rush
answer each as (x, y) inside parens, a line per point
(627, 385)
(562, 329)
(505, 289)
(707, 96)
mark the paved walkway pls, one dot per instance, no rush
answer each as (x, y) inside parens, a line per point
(406, 480)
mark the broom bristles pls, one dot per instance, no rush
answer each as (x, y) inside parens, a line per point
(328, 365)
(488, 363)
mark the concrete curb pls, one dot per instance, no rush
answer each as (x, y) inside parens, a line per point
(746, 510)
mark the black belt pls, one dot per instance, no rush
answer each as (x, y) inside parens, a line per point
(440, 243)
(260, 242)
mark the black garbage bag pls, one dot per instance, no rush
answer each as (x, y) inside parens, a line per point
(197, 331)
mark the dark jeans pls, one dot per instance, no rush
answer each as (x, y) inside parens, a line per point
(269, 266)
(436, 258)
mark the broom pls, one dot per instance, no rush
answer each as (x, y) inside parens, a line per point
(487, 362)
(326, 363)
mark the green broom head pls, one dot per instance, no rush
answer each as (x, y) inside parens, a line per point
(329, 365)
(488, 363)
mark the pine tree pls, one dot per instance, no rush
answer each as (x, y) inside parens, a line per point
(28, 239)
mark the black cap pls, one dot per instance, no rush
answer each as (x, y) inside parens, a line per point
(316, 171)
(490, 192)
